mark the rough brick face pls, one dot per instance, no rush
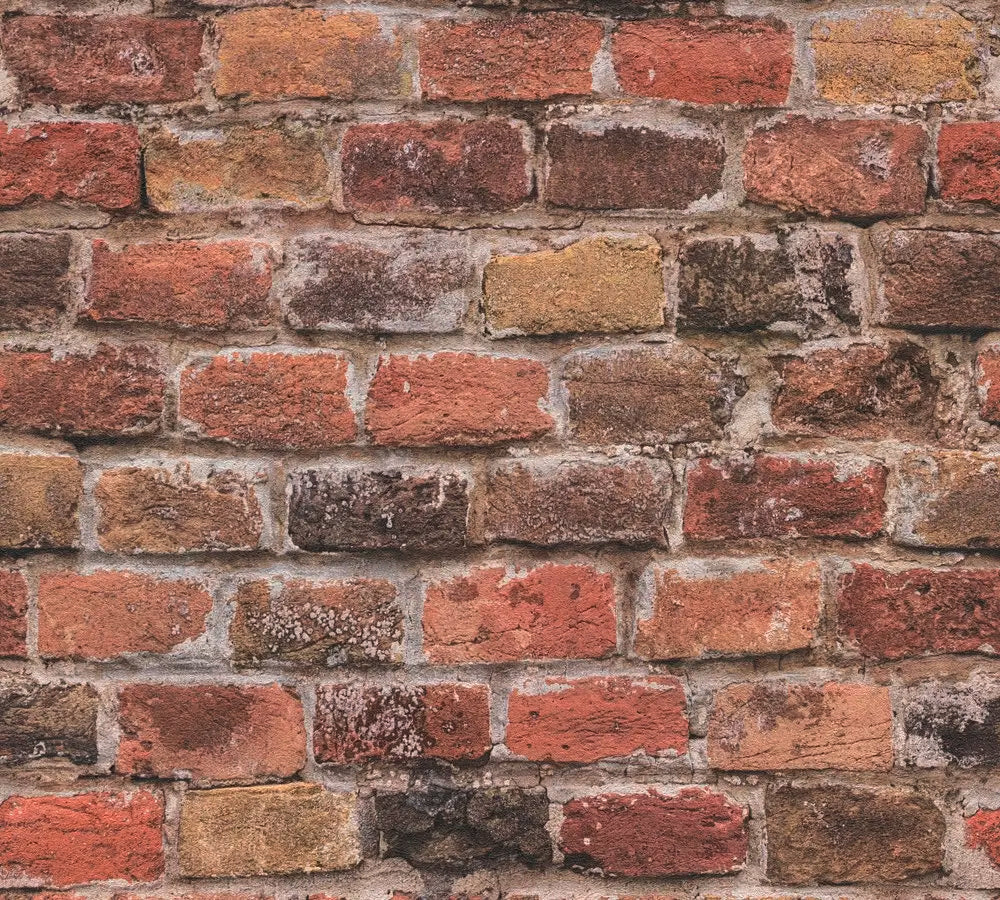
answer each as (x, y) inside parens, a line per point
(457, 399)
(589, 719)
(181, 284)
(108, 391)
(989, 385)
(783, 497)
(210, 734)
(357, 722)
(850, 169)
(532, 57)
(108, 614)
(553, 612)
(967, 162)
(47, 721)
(34, 283)
(947, 724)
(693, 832)
(801, 726)
(628, 167)
(61, 841)
(277, 53)
(235, 397)
(97, 60)
(449, 165)
(13, 614)
(705, 60)
(87, 162)
(41, 497)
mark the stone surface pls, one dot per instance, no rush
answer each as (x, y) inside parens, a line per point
(596, 284)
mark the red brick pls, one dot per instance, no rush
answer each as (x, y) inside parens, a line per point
(448, 165)
(969, 162)
(777, 497)
(694, 832)
(276, 53)
(552, 612)
(293, 401)
(60, 841)
(162, 510)
(457, 399)
(589, 719)
(783, 725)
(728, 609)
(210, 733)
(617, 166)
(705, 60)
(13, 614)
(183, 284)
(94, 60)
(107, 614)
(853, 169)
(356, 723)
(889, 615)
(989, 385)
(89, 162)
(982, 832)
(523, 57)
(108, 391)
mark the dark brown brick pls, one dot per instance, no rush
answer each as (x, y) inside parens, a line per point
(34, 280)
(841, 835)
(13, 614)
(47, 721)
(378, 510)
(621, 167)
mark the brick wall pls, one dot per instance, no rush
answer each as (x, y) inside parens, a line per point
(479, 451)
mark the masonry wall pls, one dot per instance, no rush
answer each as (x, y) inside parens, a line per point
(488, 451)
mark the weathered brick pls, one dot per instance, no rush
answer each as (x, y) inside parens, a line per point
(34, 280)
(797, 277)
(93, 60)
(392, 285)
(355, 622)
(950, 500)
(355, 723)
(855, 169)
(949, 724)
(968, 157)
(276, 53)
(588, 719)
(279, 829)
(988, 364)
(444, 828)
(108, 614)
(835, 834)
(210, 733)
(60, 841)
(448, 165)
(47, 721)
(457, 399)
(548, 503)
(107, 391)
(162, 510)
(617, 166)
(13, 614)
(595, 284)
(864, 391)
(782, 497)
(88, 162)
(693, 832)
(786, 725)
(552, 612)
(728, 609)
(743, 61)
(183, 284)
(285, 401)
(238, 166)
(523, 57)
(392, 509)
(890, 615)
(938, 280)
(662, 394)
(40, 496)
(895, 56)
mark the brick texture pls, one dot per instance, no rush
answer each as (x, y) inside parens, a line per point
(510, 449)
